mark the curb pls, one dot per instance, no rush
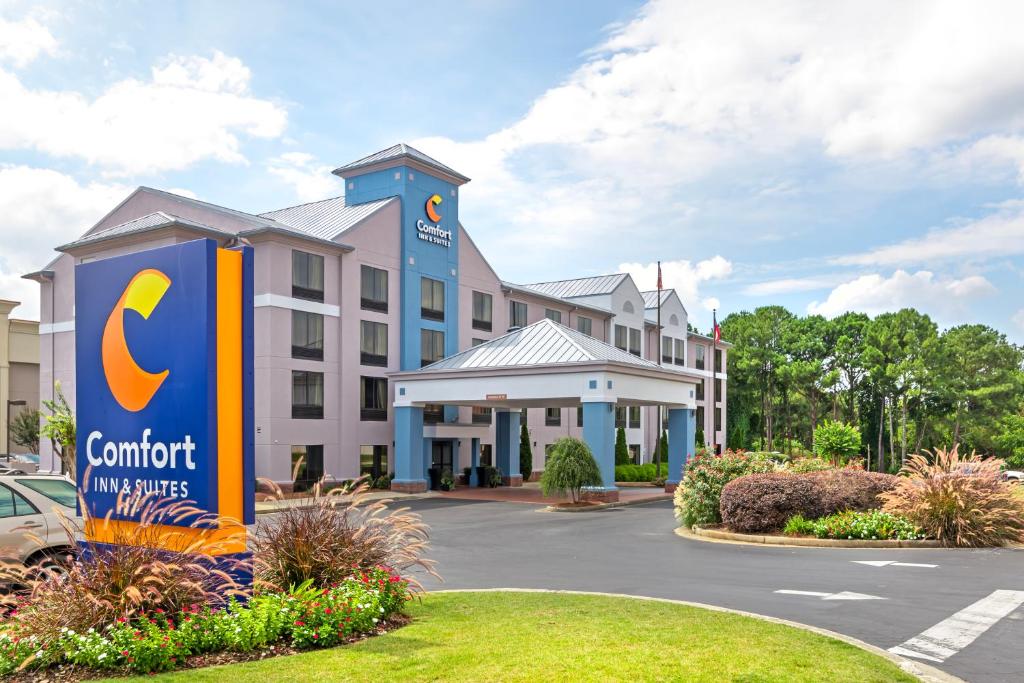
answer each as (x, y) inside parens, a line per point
(924, 672)
(606, 506)
(700, 534)
(382, 499)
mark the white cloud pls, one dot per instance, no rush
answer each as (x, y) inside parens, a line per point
(873, 294)
(41, 209)
(310, 179)
(1018, 318)
(190, 109)
(998, 234)
(23, 41)
(787, 286)
(683, 276)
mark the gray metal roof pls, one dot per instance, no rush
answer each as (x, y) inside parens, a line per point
(152, 221)
(523, 289)
(255, 220)
(584, 286)
(399, 151)
(542, 343)
(651, 298)
(326, 219)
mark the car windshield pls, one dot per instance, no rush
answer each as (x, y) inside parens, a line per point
(58, 490)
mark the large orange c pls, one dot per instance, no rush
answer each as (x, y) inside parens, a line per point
(432, 214)
(132, 386)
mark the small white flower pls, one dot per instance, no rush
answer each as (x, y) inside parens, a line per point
(375, 620)
(102, 655)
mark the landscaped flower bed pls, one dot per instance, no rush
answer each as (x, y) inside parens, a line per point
(303, 618)
(873, 525)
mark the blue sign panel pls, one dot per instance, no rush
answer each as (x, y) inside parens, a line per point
(145, 338)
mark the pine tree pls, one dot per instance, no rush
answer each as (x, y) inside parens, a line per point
(621, 449)
(661, 453)
(525, 452)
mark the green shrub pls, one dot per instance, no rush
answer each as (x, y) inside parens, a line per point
(757, 503)
(698, 495)
(570, 467)
(525, 452)
(646, 472)
(836, 441)
(801, 465)
(621, 449)
(873, 525)
(961, 501)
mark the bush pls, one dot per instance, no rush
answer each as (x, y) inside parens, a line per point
(621, 449)
(802, 465)
(698, 494)
(764, 502)
(960, 501)
(570, 467)
(836, 441)
(525, 452)
(638, 473)
(873, 525)
(797, 525)
(851, 489)
(334, 536)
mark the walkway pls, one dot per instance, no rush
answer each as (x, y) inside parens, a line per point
(531, 493)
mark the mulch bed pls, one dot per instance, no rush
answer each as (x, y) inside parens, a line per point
(70, 674)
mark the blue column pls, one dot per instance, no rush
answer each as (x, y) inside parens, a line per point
(681, 432)
(506, 444)
(599, 433)
(409, 450)
(474, 461)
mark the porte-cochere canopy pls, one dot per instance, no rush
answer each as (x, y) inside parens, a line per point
(542, 365)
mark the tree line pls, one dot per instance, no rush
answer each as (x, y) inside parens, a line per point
(903, 382)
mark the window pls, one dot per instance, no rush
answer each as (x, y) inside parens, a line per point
(553, 417)
(482, 311)
(374, 289)
(628, 307)
(700, 391)
(634, 417)
(553, 315)
(431, 346)
(373, 397)
(634, 341)
(307, 276)
(516, 314)
(673, 320)
(58, 490)
(699, 357)
(680, 352)
(307, 335)
(634, 453)
(700, 421)
(579, 416)
(620, 417)
(718, 420)
(476, 342)
(307, 395)
(13, 505)
(481, 415)
(373, 461)
(620, 337)
(718, 391)
(585, 325)
(373, 343)
(307, 466)
(433, 413)
(431, 299)
(666, 349)
(486, 457)
(718, 360)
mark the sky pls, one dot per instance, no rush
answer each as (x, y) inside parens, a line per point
(821, 156)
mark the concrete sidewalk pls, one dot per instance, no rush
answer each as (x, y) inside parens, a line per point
(269, 506)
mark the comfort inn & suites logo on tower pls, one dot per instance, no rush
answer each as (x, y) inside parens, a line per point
(164, 378)
(432, 232)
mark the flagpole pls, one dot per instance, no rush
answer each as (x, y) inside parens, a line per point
(657, 439)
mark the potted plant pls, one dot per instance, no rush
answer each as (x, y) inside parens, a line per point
(467, 472)
(447, 483)
(434, 475)
(495, 478)
(483, 475)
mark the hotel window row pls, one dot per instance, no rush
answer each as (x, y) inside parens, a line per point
(668, 344)
(627, 339)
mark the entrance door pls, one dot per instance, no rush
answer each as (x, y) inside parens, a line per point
(442, 457)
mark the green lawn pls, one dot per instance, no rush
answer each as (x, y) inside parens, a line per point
(558, 637)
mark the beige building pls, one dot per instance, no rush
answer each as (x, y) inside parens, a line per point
(19, 369)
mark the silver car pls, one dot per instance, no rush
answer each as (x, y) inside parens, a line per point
(29, 507)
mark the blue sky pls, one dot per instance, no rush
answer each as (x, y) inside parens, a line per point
(861, 156)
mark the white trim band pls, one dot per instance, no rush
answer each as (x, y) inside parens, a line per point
(50, 328)
(291, 303)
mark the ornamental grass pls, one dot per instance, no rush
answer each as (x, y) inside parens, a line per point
(958, 500)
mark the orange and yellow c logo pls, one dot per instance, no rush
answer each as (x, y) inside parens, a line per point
(432, 214)
(132, 386)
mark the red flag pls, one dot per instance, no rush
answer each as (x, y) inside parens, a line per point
(718, 333)
(659, 275)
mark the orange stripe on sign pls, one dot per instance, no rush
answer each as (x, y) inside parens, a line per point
(229, 386)
(229, 539)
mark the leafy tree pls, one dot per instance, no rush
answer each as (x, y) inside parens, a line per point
(59, 427)
(621, 449)
(1010, 441)
(525, 452)
(570, 468)
(25, 429)
(836, 441)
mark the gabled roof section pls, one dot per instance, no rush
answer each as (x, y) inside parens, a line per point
(584, 286)
(542, 343)
(525, 289)
(651, 298)
(399, 152)
(326, 219)
(153, 221)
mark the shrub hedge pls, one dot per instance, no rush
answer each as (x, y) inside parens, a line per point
(698, 494)
(873, 525)
(644, 472)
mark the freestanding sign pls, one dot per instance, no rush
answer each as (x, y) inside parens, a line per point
(164, 385)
